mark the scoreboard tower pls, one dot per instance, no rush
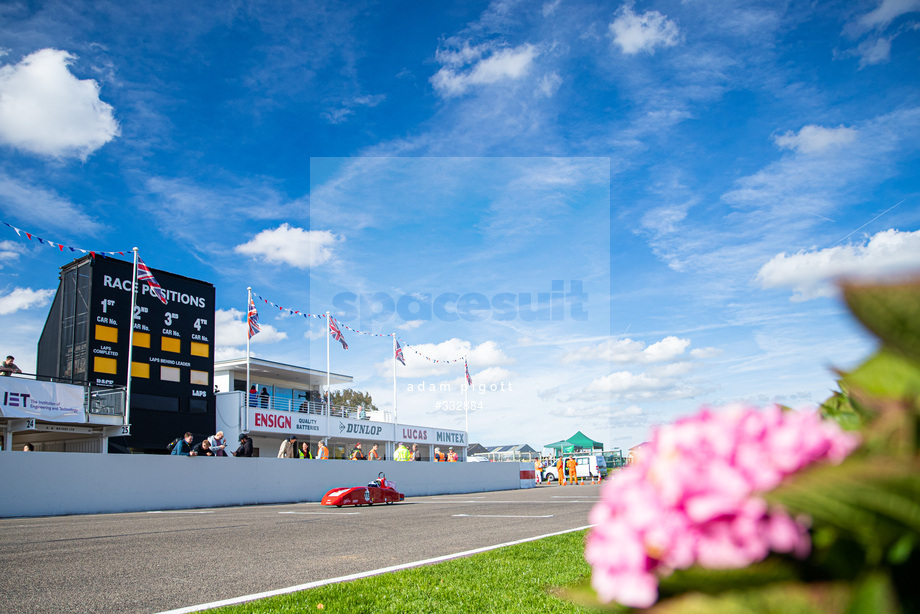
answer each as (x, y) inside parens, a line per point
(86, 336)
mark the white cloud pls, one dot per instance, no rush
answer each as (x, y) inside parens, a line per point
(665, 220)
(290, 245)
(629, 350)
(625, 381)
(230, 331)
(420, 358)
(46, 110)
(502, 65)
(410, 324)
(347, 107)
(668, 348)
(9, 252)
(702, 353)
(814, 139)
(44, 208)
(674, 369)
(627, 386)
(876, 48)
(634, 33)
(549, 8)
(810, 274)
(549, 85)
(874, 51)
(886, 12)
(316, 335)
(24, 298)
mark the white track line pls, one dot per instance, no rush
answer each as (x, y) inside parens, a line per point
(323, 513)
(356, 576)
(181, 512)
(497, 516)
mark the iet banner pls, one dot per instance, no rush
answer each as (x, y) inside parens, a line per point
(26, 398)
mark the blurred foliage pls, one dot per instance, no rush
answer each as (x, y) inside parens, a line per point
(864, 512)
(353, 398)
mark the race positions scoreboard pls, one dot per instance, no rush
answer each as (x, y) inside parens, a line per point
(173, 354)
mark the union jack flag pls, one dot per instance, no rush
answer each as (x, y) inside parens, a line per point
(253, 319)
(466, 367)
(399, 354)
(144, 274)
(336, 333)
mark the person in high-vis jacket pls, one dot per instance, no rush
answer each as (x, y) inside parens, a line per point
(452, 456)
(372, 455)
(402, 453)
(322, 452)
(572, 464)
(439, 456)
(560, 470)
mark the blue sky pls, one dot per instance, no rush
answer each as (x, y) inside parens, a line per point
(702, 171)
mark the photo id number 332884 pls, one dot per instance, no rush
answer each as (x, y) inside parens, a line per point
(457, 405)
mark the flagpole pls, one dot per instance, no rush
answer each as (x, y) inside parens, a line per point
(466, 397)
(395, 410)
(131, 339)
(328, 379)
(248, 396)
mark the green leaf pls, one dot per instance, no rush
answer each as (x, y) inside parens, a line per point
(901, 550)
(872, 595)
(886, 375)
(872, 500)
(892, 312)
(584, 595)
(782, 598)
(700, 579)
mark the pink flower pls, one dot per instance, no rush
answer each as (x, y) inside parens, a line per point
(692, 498)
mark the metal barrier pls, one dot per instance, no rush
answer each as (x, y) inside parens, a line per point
(106, 402)
(317, 408)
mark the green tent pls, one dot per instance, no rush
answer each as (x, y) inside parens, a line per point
(583, 442)
(562, 447)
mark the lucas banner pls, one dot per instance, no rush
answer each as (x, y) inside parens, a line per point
(26, 398)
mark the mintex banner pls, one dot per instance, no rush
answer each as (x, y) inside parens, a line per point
(26, 398)
(426, 434)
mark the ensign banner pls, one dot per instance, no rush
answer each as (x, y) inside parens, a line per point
(26, 398)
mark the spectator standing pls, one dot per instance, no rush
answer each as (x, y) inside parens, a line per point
(439, 456)
(373, 455)
(9, 367)
(203, 448)
(416, 453)
(183, 447)
(253, 396)
(572, 466)
(322, 452)
(288, 447)
(218, 444)
(245, 448)
(452, 456)
(402, 453)
(263, 398)
(28, 448)
(356, 453)
(304, 450)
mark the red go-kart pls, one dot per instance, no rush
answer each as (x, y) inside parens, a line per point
(380, 490)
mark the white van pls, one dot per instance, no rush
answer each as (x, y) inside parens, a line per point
(589, 466)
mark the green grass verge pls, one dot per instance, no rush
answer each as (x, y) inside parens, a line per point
(511, 579)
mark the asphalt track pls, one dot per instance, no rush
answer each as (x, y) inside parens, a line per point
(158, 561)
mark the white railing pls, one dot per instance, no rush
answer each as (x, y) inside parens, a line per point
(317, 408)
